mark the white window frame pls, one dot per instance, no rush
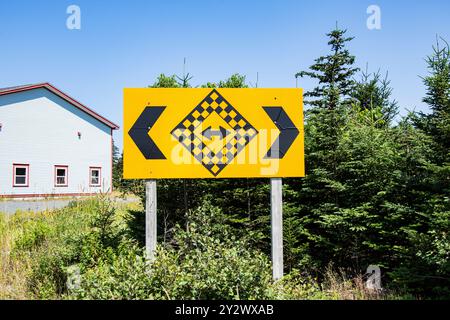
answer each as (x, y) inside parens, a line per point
(27, 175)
(66, 177)
(99, 169)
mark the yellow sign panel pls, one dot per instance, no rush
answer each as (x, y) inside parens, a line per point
(213, 133)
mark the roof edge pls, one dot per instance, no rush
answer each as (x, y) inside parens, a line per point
(65, 97)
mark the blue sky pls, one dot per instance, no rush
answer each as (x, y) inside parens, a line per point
(128, 43)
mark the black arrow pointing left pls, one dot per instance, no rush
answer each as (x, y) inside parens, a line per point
(139, 133)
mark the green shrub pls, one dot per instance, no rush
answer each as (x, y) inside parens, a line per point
(84, 233)
(205, 261)
(34, 234)
(123, 276)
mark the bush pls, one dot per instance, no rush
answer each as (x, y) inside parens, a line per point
(204, 262)
(123, 276)
(83, 234)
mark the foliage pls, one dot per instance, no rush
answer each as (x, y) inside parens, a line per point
(206, 261)
(235, 81)
(372, 93)
(437, 83)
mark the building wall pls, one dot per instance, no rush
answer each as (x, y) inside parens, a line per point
(41, 129)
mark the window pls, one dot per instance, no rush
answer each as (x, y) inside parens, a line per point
(95, 176)
(21, 175)
(61, 176)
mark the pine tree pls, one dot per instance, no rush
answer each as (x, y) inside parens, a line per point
(373, 94)
(426, 265)
(437, 83)
(330, 105)
(334, 73)
(319, 196)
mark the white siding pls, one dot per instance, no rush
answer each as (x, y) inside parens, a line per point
(41, 129)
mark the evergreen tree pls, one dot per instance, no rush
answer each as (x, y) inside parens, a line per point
(334, 73)
(356, 194)
(117, 167)
(373, 94)
(331, 99)
(437, 83)
(426, 264)
(319, 196)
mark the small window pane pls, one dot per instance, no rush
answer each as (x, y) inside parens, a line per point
(61, 176)
(95, 177)
(21, 171)
(21, 180)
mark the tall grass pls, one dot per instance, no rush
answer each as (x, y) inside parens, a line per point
(13, 272)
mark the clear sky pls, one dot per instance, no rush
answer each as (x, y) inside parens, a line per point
(128, 43)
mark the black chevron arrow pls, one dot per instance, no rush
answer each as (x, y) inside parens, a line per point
(139, 133)
(288, 132)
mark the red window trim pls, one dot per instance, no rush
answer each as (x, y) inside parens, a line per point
(21, 165)
(56, 177)
(99, 177)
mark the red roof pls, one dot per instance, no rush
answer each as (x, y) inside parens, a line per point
(49, 87)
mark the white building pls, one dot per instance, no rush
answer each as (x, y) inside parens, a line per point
(52, 145)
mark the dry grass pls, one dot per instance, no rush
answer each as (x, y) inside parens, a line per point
(340, 287)
(13, 271)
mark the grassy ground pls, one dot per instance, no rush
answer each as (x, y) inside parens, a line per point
(26, 237)
(38, 249)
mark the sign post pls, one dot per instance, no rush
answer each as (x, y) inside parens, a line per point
(150, 218)
(214, 133)
(276, 203)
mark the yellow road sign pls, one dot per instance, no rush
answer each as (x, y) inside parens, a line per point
(213, 133)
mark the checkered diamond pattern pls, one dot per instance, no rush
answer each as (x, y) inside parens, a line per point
(243, 132)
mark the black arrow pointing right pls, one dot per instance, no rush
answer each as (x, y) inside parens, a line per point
(140, 129)
(288, 132)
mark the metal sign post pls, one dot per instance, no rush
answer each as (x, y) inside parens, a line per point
(276, 203)
(150, 218)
